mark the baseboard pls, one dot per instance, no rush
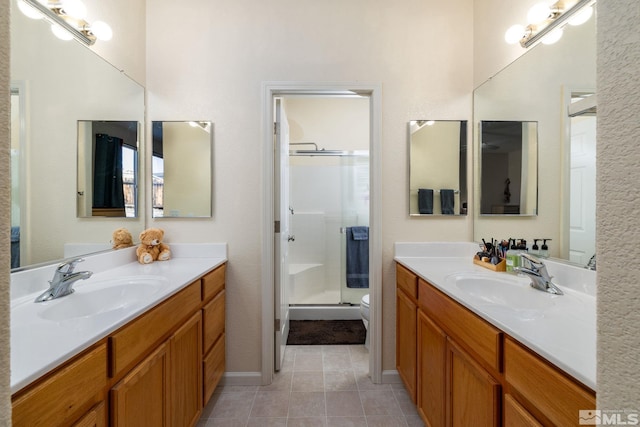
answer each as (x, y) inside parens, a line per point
(241, 378)
(391, 377)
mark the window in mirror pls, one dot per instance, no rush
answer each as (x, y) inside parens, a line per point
(437, 167)
(182, 169)
(509, 168)
(107, 168)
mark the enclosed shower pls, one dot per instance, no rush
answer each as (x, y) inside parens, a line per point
(329, 197)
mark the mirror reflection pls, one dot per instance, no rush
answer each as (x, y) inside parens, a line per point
(509, 168)
(437, 167)
(54, 84)
(541, 86)
(107, 168)
(182, 169)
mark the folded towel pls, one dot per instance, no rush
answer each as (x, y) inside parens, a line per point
(360, 233)
(357, 257)
(425, 201)
(447, 202)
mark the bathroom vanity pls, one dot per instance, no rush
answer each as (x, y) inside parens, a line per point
(156, 364)
(468, 359)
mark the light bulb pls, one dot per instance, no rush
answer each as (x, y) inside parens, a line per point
(101, 30)
(538, 13)
(514, 34)
(29, 11)
(553, 36)
(60, 32)
(74, 8)
(581, 17)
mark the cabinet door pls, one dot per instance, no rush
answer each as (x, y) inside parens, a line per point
(140, 398)
(474, 395)
(186, 373)
(406, 324)
(432, 352)
(96, 417)
(517, 416)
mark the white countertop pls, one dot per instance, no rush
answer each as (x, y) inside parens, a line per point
(564, 333)
(39, 344)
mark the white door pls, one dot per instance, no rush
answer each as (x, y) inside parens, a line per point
(282, 231)
(582, 214)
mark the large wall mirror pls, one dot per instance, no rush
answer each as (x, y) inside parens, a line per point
(107, 168)
(508, 167)
(540, 87)
(182, 169)
(437, 167)
(55, 84)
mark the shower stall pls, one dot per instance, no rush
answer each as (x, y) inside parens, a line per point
(329, 194)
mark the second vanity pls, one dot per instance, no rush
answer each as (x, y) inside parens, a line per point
(477, 347)
(133, 345)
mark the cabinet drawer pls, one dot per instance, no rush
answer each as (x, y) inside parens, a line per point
(213, 319)
(62, 396)
(548, 390)
(480, 337)
(213, 282)
(213, 368)
(407, 281)
(96, 417)
(130, 343)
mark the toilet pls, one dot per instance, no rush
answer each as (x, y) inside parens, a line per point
(364, 312)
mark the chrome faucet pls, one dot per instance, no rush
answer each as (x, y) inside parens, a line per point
(591, 265)
(63, 280)
(537, 271)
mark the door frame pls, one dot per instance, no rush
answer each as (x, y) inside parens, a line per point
(374, 91)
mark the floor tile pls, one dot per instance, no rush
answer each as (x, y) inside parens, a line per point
(386, 421)
(270, 404)
(379, 402)
(346, 422)
(342, 380)
(307, 422)
(229, 405)
(307, 404)
(267, 422)
(307, 381)
(343, 403)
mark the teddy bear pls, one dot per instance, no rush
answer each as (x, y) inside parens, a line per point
(151, 247)
(121, 238)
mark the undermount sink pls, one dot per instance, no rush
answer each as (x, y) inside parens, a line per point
(103, 297)
(504, 293)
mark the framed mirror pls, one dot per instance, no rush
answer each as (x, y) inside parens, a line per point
(182, 169)
(508, 168)
(437, 168)
(541, 86)
(107, 169)
(55, 84)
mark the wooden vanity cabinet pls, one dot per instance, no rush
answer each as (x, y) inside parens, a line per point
(213, 334)
(157, 370)
(458, 362)
(406, 326)
(65, 395)
(468, 372)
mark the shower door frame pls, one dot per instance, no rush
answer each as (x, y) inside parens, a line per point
(374, 92)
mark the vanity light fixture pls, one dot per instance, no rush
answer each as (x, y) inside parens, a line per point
(546, 22)
(67, 19)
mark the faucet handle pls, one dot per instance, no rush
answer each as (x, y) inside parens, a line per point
(533, 261)
(68, 266)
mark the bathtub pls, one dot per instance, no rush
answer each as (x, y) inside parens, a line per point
(310, 300)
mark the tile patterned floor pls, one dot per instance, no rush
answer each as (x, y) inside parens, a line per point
(325, 386)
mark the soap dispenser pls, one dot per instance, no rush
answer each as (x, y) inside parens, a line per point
(535, 250)
(544, 250)
(513, 256)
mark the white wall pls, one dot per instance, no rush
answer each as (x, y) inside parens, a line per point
(618, 169)
(208, 59)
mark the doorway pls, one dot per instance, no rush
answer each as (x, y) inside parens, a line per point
(311, 235)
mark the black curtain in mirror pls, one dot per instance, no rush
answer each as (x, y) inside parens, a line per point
(107, 172)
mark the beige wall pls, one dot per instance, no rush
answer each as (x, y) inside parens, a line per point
(618, 234)
(213, 68)
(5, 215)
